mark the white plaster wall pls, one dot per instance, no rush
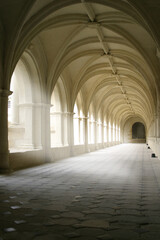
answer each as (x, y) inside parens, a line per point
(59, 153)
(154, 144)
(79, 149)
(16, 136)
(26, 159)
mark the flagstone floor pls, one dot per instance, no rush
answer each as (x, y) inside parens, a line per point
(111, 194)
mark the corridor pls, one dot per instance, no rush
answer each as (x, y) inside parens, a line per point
(110, 194)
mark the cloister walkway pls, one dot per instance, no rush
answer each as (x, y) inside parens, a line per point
(110, 194)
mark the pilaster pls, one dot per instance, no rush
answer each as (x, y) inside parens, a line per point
(70, 132)
(4, 153)
(46, 131)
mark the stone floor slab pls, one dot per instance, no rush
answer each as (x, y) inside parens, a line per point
(110, 194)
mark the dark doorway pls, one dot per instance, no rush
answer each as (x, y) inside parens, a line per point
(138, 131)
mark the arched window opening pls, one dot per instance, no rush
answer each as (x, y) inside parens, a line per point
(110, 137)
(55, 121)
(16, 116)
(24, 131)
(76, 125)
(58, 116)
(91, 129)
(138, 131)
(13, 102)
(81, 128)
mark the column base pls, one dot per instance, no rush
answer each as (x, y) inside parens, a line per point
(4, 163)
(48, 158)
(5, 171)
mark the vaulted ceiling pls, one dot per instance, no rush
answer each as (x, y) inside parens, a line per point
(107, 50)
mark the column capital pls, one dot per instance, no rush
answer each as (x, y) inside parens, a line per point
(29, 104)
(69, 113)
(85, 118)
(5, 93)
(60, 113)
(46, 105)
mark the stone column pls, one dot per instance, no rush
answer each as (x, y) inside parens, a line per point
(112, 135)
(62, 129)
(95, 134)
(65, 129)
(115, 134)
(4, 153)
(46, 132)
(14, 107)
(71, 133)
(79, 128)
(102, 131)
(85, 119)
(107, 134)
(37, 125)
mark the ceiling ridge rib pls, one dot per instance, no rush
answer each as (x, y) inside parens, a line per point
(107, 52)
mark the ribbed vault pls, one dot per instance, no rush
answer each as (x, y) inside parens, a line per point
(101, 51)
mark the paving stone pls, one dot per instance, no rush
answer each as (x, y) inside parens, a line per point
(132, 218)
(19, 221)
(49, 237)
(55, 216)
(151, 227)
(6, 201)
(7, 213)
(86, 238)
(12, 197)
(105, 237)
(124, 234)
(94, 223)
(62, 221)
(76, 215)
(72, 235)
(29, 215)
(15, 207)
(151, 235)
(123, 225)
(92, 232)
(8, 230)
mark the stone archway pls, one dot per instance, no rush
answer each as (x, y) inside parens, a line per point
(135, 131)
(138, 131)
